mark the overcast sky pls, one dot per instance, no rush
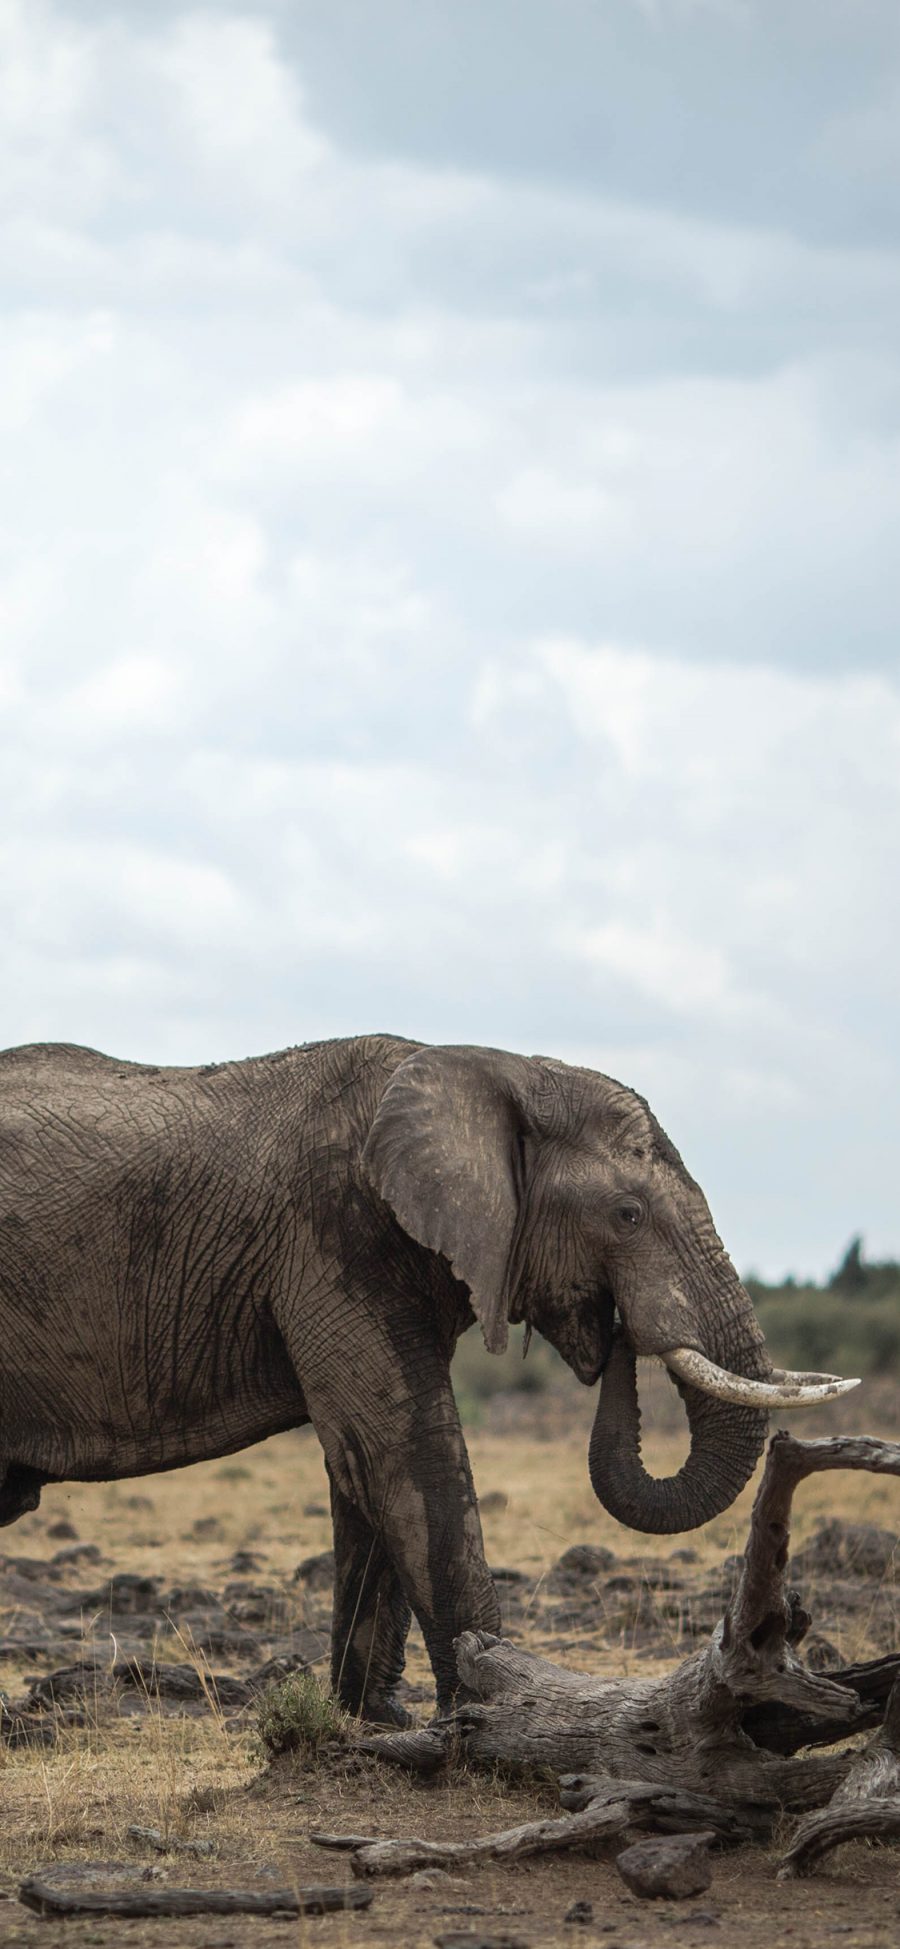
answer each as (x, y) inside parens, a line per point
(450, 553)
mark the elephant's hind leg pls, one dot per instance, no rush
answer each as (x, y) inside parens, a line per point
(371, 1617)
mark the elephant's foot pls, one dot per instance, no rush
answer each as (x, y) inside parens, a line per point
(384, 1710)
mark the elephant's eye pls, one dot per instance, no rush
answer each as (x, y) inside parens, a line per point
(629, 1214)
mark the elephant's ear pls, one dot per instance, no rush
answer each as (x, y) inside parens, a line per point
(443, 1153)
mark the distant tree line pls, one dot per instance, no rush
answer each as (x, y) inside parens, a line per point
(851, 1324)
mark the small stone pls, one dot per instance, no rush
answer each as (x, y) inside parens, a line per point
(494, 1501)
(205, 1800)
(466, 1939)
(317, 1572)
(579, 1568)
(245, 1562)
(673, 1865)
(63, 1531)
(581, 1913)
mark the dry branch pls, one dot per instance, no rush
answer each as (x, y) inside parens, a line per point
(614, 1808)
(49, 1894)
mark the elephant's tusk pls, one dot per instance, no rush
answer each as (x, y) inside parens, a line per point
(802, 1380)
(785, 1391)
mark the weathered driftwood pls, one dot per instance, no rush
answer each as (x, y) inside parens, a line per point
(866, 1806)
(785, 1729)
(724, 1725)
(55, 1891)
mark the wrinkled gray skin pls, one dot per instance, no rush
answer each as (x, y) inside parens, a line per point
(192, 1259)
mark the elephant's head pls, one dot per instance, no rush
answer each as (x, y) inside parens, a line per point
(558, 1199)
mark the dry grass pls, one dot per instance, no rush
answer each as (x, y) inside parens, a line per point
(199, 1776)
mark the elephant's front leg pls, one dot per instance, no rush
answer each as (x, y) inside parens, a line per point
(420, 1498)
(398, 1458)
(371, 1617)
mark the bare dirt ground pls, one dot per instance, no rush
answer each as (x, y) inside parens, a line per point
(198, 1570)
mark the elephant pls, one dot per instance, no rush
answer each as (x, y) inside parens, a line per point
(196, 1258)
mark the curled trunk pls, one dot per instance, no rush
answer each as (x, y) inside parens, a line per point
(726, 1442)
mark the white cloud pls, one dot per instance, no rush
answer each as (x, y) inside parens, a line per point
(136, 693)
(239, 108)
(440, 600)
(680, 974)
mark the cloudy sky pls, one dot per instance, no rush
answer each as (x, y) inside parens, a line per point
(450, 553)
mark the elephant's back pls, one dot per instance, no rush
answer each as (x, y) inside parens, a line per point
(64, 1107)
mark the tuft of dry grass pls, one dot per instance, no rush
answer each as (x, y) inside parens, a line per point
(298, 1716)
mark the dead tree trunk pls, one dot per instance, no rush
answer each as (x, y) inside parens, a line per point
(700, 1730)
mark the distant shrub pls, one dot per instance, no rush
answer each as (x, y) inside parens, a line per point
(297, 1716)
(477, 1374)
(851, 1325)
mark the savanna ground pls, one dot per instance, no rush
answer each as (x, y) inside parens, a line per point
(217, 1548)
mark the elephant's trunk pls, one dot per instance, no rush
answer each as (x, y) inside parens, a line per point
(726, 1441)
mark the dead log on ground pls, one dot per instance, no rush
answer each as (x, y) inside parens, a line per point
(701, 1730)
(51, 1892)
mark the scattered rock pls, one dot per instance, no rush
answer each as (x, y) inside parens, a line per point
(124, 1595)
(78, 1553)
(315, 1509)
(245, 1562)
(465, 1939)
(206, 1526)
(191, 1597)
(63, 1531)
(311, 1648)
(579, 1568)
(673, 1865)
(494, 1501)
(258, 1604)
(28, 1569)
(177, 1684)
(206, 1800)
(317, 1572)
(581, 1913)
(153, 1837)
(820, 1654)
(849, 1549)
